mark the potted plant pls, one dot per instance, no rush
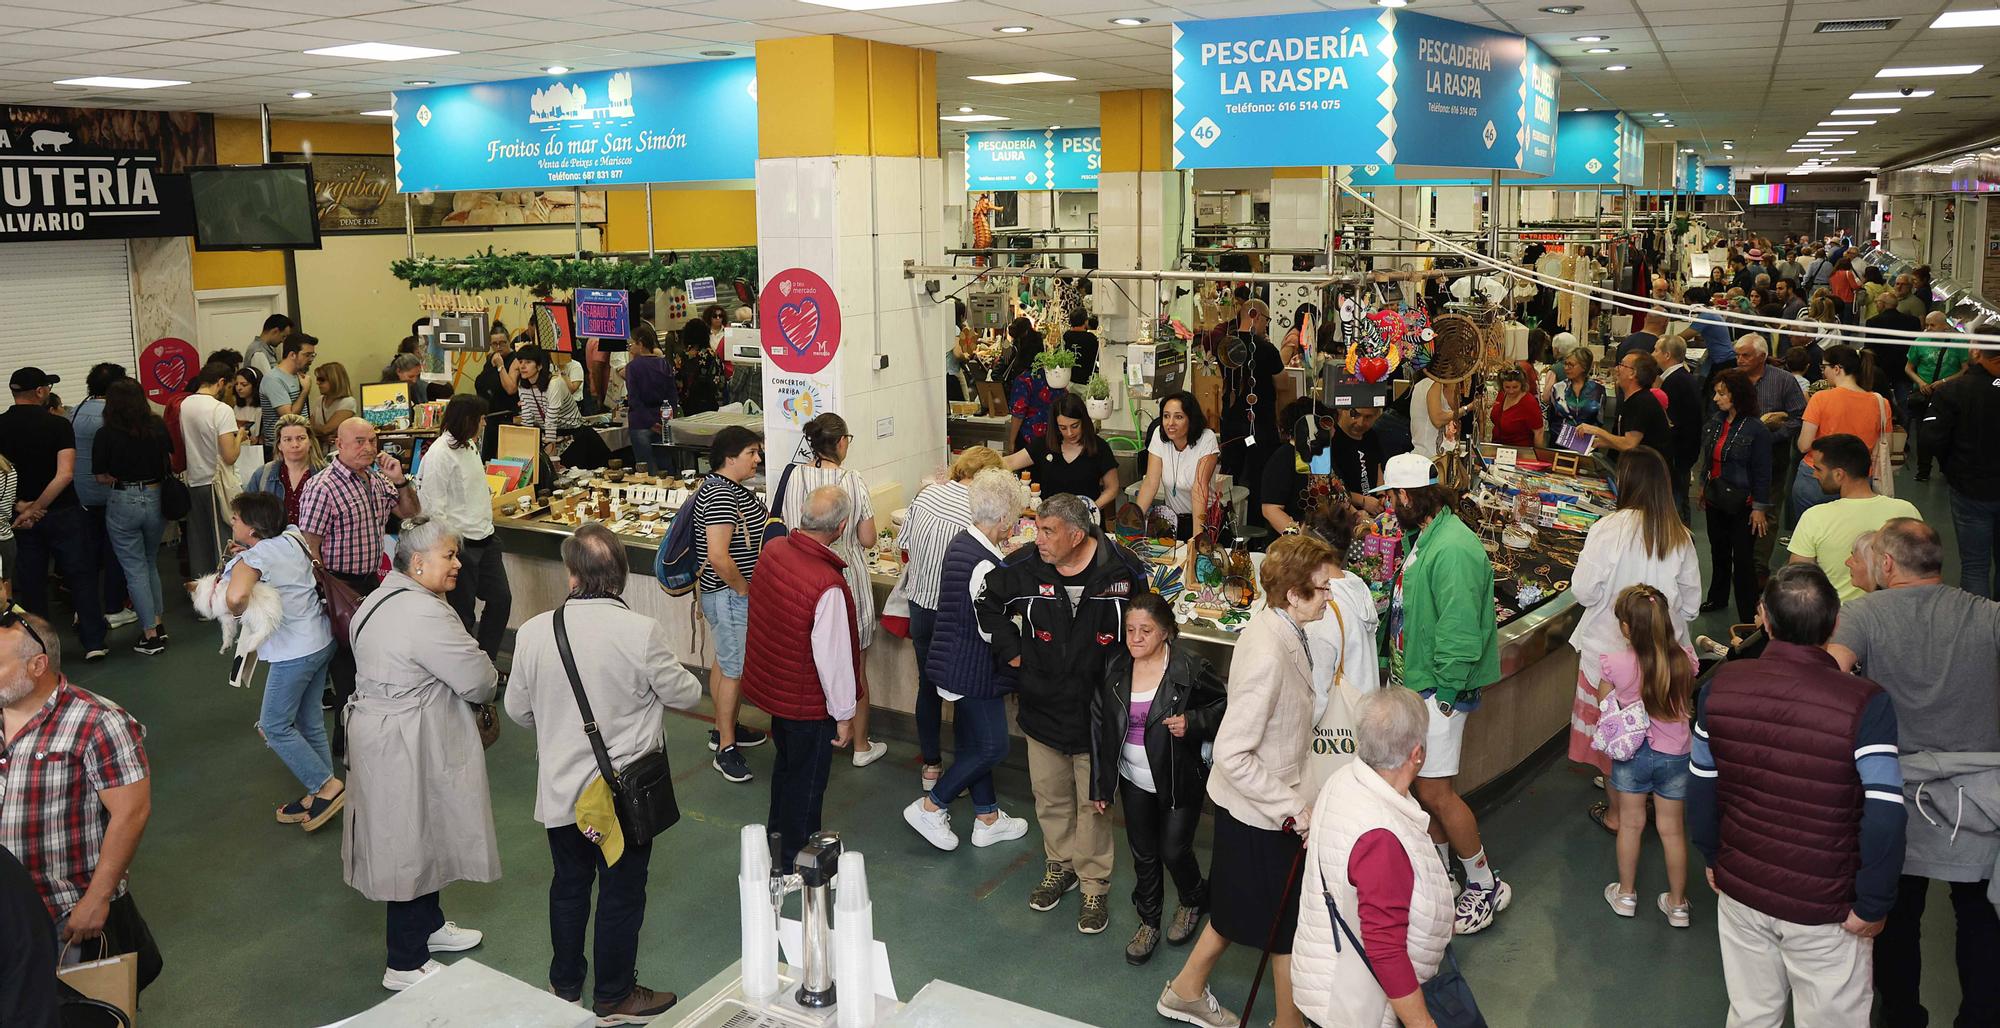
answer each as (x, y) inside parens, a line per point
(1097, 397)
(1055, 364)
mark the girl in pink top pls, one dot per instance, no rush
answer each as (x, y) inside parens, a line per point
(1658, 671)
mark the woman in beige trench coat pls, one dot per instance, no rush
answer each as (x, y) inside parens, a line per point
(419, 816)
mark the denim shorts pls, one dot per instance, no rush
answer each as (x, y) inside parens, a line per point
(728, 614)
(1663, 774)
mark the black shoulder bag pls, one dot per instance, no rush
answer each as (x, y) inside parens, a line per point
(643, 794)
(1446, 995)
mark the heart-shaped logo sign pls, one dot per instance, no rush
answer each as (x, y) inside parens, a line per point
(172, 373)
(166, 366)
(798, 323)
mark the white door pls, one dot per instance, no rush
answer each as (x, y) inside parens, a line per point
(231, 318)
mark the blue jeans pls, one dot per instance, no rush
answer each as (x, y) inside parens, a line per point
(1977, 523)
(132, 516)
(803, 760)
(728, 614)
(1806, 494)
(113, 584)
(292, 721)
(930, 706)
(979, 729)
(643, 441)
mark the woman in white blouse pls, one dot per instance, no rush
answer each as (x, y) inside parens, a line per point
(451, 482)
(1180, 465)
(1644, 543)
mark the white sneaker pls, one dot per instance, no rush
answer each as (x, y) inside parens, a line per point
(121, 619)
(933, 825)
(396, 981)
(453, 939)
(863, 758)
(1003, 829)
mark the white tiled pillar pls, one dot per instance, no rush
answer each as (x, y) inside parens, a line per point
(1298, 213)
(1458, 209)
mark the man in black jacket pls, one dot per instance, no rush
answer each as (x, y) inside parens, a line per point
(1962, 414)
(1684, 410)
(1056, 611)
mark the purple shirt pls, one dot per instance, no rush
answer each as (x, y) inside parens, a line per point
(649, 382)
(1135, 722)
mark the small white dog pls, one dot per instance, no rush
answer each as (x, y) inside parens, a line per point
(247, 631)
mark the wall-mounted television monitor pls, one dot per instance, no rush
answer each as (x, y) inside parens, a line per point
(254, 207)
(1767, 193)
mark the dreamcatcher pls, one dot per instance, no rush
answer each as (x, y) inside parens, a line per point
(1455, 347)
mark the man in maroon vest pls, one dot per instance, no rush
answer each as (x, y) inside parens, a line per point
(798, 594)
(1795, 797)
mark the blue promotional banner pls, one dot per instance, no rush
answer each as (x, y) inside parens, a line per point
(1033, 159)
(1361, 87)
(671, 123)
(1689, 176)
(1717, 180)
(1604, 148)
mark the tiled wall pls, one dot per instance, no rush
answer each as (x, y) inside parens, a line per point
(1298, 213)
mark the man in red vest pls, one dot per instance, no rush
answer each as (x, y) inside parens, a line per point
(799, 593)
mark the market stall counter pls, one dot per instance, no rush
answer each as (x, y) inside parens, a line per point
(1526, 708)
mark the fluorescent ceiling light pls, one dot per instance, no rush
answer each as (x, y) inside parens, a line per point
(1729, 146)
(120, 82)
(1590, 39)
(965, 110)
(1831, 132)
(1869, 121)
(971, 117)
(1843, 153)
(301, 95)
(1014, 30)
(379, 52)
(1392, 3)
(1967, 19)
(378, 114)
(1659, 114)
(1130, 22)
(874, 5)
(557, 69)
(1927, 70)
(1580, 110)
(418, 82)
(1893, 94)
(1615, 67)
(1590, 50)
(1844, 111)
(1021, 79)
(1566, 9)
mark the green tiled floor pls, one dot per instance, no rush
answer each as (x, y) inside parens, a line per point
(258, 928)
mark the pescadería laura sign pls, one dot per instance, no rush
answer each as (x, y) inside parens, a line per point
(670, 123)
(1367, 86)
(60, 180)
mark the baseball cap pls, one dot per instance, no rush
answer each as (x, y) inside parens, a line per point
(31, 378)
(1406, 471)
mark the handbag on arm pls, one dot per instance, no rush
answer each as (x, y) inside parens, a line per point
(643, 793)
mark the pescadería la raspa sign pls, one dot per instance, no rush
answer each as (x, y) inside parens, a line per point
(669, 123)
(1368, 86)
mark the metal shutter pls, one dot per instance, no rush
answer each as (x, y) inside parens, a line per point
(65, 307)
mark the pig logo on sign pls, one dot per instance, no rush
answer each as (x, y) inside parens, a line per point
(49, 139)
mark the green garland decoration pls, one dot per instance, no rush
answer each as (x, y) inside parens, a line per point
(491, 271)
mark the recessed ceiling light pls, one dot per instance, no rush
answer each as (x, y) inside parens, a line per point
(1566, 9)
(1687, 150)
(557, 69)
(120, 82)
(1055, 128)
(1614, 67)
(1729, 146)
(1580, 110)
(1392, 3)
(874, 5)
(1014, 30)
(718, 53)
(1864, 121)
(1129, 22)
(418, 82)
(1929, 69)
(1866, 110)
(1589, 39)
(1021, 78)
(965, 110)
(1893, 94)
(1659, 114)
(1967, 19)
(378, 114)
(380, 52)
(301, 95)
(1601, 50)
(971, 117)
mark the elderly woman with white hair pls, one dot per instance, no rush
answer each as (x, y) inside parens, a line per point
(1370, 863)
(960, 663)
(418, 813)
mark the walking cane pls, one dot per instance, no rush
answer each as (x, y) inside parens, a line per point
(1271, 939)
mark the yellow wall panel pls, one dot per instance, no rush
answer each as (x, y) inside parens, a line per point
(927, 104)
(824, 95)
(683, 219)
(238, 269)
(893, 96)
(795, 97)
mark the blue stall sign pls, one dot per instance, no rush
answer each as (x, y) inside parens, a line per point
(1360, 87)
(671, 123)
(1384, 175)
(1604, 148)
(1688, 174)
(1033, 159)
(1717, 180)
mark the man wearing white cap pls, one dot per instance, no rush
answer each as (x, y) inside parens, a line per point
(1444, 645)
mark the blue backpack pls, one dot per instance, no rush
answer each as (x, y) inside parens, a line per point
(674, 564)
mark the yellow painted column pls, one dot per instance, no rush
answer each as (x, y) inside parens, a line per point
(849, 187)
(1144, 210)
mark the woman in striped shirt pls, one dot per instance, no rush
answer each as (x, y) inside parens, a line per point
(936, 517)
(547, 403)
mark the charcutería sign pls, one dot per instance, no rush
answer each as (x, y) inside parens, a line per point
(53, 187)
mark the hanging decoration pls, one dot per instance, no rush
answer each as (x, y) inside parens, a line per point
(490, 271)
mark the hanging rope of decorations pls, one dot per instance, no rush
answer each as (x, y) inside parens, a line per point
(490, 271)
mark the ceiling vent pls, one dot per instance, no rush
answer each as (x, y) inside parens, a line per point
(1857, 25)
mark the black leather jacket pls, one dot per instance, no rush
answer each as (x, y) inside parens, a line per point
(1189, 686)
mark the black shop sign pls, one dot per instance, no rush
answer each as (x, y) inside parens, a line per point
(53, 187)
